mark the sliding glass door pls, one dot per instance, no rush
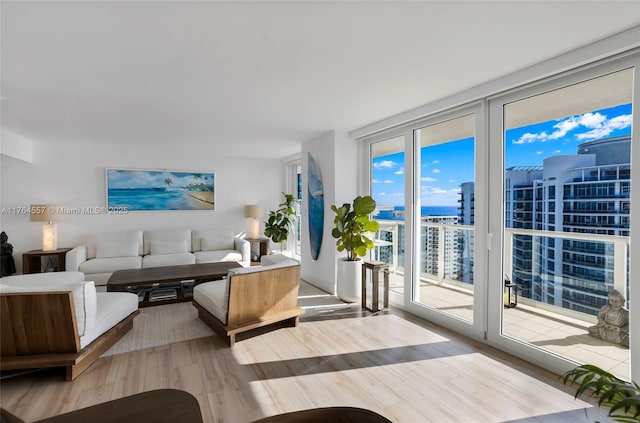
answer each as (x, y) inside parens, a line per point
(565, 219)
(445, 197)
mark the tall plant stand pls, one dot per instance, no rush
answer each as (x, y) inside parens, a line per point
(375, 267)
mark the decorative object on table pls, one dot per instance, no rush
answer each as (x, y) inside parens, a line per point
(279, 221)
(144, 190)
(315, 202)
(509, 293)
(351, 225)
(255, 213)
(46, 213)
(7, 264)
(613, 321)
(621, 397)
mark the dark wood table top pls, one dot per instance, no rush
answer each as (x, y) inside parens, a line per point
(215, 270)
(159, 406)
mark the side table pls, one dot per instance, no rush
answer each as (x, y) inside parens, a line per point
(375, 267)
(32, 260)
(262, 251)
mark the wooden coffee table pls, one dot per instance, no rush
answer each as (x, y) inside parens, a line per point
(167, 284)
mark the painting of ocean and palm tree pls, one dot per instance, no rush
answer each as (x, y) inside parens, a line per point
(160, 190)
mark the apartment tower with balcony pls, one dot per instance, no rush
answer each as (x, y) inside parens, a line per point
(586, 193)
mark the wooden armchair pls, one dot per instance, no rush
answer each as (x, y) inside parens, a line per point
(61, 326)
(250, 298)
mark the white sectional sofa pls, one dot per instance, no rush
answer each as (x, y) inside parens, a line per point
(107, 252)
(58, 319)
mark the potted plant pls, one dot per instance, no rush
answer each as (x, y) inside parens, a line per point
(279, 221)
(352, 223)
(622, 397)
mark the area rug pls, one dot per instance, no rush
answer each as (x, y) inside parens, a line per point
(170, 323)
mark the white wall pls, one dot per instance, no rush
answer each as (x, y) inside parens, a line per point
(14, 145)
(336, 156)
(72, 174)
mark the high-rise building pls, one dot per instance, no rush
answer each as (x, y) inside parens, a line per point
(585, 193)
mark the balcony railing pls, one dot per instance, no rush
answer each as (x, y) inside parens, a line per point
(452, 263)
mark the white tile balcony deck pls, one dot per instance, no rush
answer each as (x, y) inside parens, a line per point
(550, 331)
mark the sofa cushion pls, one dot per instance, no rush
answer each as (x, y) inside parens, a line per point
(107, 249)
(168, 260)
(213, 243)
(168, 235)
(169, 247)
(213, 296)
(112, 307)
(119, 237)
(84, 298)
(103, 265)
(220, 255)
(224, 236)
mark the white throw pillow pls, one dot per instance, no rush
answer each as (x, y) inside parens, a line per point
(214, 243)
(169, 247)
(108, 249)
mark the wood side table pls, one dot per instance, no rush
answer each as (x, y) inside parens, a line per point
(263, 251)
(32, 260)
(375, 267)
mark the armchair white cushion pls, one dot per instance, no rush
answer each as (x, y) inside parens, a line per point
(84, 292)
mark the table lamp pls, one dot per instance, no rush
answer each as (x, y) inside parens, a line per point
(254, 212)
(46, 213)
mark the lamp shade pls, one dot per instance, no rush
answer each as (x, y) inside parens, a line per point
(253, 211)
(42, 213)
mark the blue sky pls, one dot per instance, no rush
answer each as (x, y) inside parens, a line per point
(444, 167)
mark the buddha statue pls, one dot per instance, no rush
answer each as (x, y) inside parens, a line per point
(613, 321)
(7, 264)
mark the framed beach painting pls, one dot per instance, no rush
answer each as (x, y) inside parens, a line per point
(145, 190)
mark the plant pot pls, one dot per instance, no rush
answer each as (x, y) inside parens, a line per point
(349, 281)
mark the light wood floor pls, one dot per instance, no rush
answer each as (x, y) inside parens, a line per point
(391, 363)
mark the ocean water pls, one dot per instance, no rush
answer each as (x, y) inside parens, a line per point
(153, 199)
(424, 211)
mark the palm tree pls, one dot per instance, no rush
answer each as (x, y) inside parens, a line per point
(168, 181)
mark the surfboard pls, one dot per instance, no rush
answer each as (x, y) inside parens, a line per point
(316, 207)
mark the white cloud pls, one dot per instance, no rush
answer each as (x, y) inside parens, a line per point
(376, 181)
(389, 181)
(435, 171)
(539, 153)
(439, 197)
(597, 124)
(427, 179)
(451, 181)
(558, 151)
(606, 127)
(384, 164)
(435, 162)
(399, 171)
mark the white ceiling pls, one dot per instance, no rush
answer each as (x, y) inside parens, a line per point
(259, 78)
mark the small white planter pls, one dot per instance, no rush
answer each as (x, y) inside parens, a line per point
(349, 280)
